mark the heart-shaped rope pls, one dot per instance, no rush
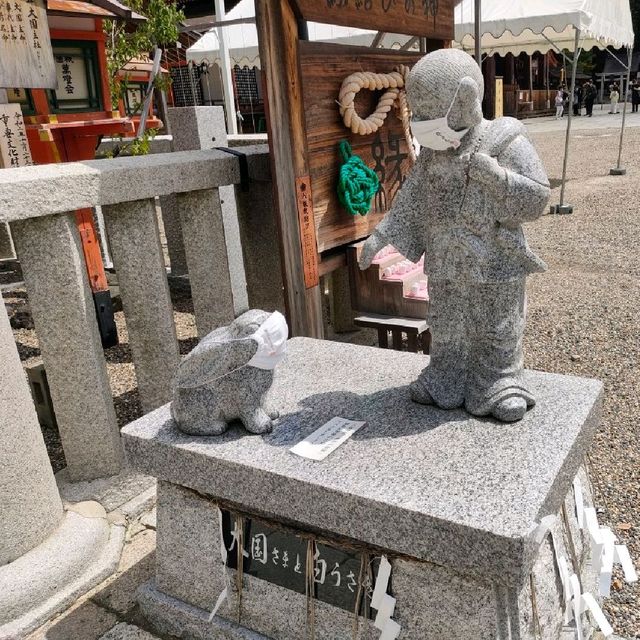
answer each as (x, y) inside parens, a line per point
(394, 95)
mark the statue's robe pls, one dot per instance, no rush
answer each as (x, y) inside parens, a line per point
(476, 259)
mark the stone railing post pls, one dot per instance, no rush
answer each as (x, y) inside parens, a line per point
(207, 260)
(64, 316)
(137, 255)
(204, 128)
(31, 506)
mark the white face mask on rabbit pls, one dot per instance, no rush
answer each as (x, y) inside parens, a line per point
(436, 134)
(271, 337)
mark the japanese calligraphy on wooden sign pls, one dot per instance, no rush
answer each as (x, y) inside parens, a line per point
(71, 72)
(307, 232)
(280, 557)
(14, 146)
(324, 67)
(428, 18)
(26, 59)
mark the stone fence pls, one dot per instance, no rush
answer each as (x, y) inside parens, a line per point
(38, 203)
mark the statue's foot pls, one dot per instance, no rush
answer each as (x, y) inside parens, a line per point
(510, 409)
(257, 421)
(208, 428)
(419, 393)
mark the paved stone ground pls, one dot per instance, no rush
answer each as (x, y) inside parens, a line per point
(110, 611)
(583, 320)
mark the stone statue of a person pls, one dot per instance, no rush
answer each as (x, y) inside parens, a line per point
(462, 205)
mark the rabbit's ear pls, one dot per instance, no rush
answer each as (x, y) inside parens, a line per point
(211, 360)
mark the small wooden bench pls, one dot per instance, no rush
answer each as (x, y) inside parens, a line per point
(418, 334)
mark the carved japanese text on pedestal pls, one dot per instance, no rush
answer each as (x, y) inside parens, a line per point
(280, 557)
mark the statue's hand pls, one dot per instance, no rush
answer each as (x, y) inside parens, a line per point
(373, 244)
(486, 169)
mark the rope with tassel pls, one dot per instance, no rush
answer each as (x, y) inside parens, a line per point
(395, 96)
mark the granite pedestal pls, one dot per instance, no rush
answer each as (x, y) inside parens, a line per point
(453, 501)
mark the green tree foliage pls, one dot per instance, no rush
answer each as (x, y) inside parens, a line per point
(125, 43)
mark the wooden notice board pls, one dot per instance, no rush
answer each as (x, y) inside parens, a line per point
(324, 67)
(428, 18)
(302, 82)
(26, 59)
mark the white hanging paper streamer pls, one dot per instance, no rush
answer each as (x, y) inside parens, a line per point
(390, 631)
(589, 602)
(605, 553)
(579, 500)
(385, 611)
(223, 553)
(586, 602)
(622, 556)
(606, 564)
(221, 598)
(597, 543)
(382, 580)
(543, 528)
(577, 604)
(384, 603)
(563, 567)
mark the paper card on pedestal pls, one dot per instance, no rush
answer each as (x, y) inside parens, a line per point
(26, 58)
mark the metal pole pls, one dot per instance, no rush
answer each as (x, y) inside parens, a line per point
(478, 30)
(227, 80)
(619, 171)
(574, 68)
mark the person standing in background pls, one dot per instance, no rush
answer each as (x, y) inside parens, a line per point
(635, 95)
(577, 100)
(589, 96)
(559, 103)
(614, 97)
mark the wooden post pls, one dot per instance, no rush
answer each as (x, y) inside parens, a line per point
(277, 31)
(489, 73)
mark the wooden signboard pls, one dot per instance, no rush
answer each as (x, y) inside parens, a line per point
(14, 147)
(26, 59)
(303, 81)
(428, 18)
(324, 67)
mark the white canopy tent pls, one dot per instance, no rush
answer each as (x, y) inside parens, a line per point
(515, 26)
(242, 38)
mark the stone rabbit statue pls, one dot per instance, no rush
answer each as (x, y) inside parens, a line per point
(228, 374)
(463, 204)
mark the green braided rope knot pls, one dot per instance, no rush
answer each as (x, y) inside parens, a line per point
(357, 183)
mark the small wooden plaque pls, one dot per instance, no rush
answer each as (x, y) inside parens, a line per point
(14, 146)
(428, 18)
(307, 231)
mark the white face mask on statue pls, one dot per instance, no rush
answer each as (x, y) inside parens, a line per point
(436, 134)
(271, 337)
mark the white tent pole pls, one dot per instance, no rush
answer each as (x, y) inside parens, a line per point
(227, 81)
(478, 30)
(574, 67)
(619, 171)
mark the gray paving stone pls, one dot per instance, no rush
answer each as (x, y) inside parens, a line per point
(124, 631)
